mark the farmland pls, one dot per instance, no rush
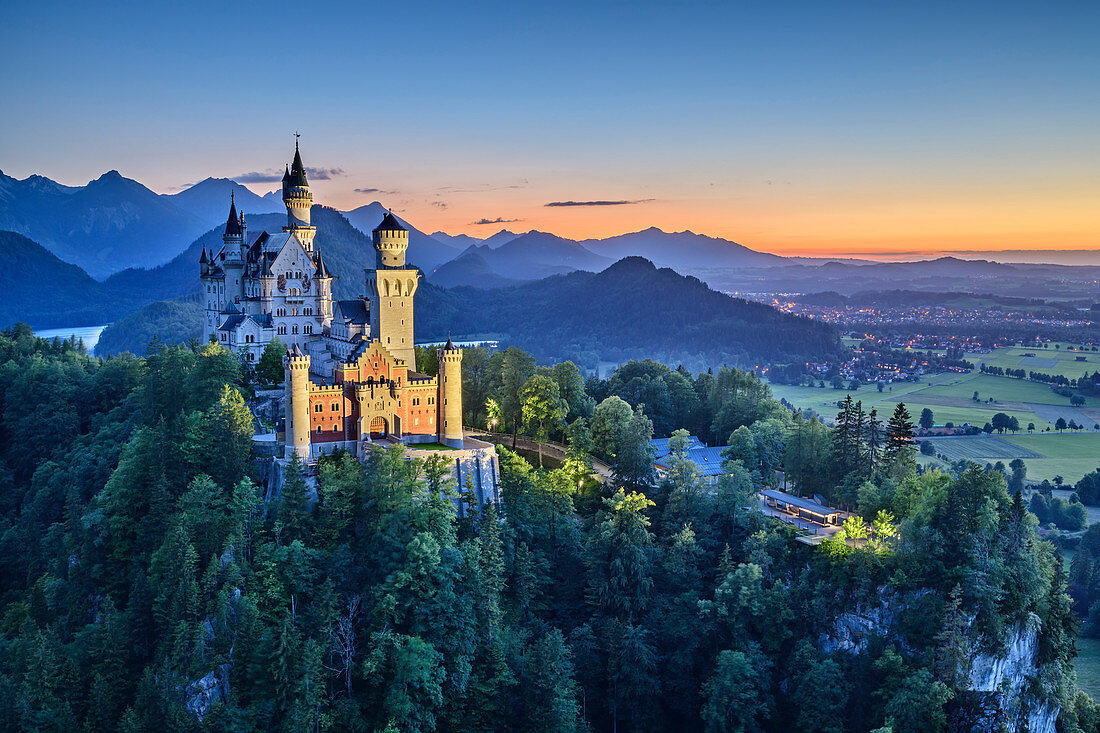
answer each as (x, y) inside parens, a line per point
(1069, 455)
(950, 398)
(1051, 360)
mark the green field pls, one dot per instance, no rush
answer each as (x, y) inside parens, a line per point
(950, 397)
(1069, 455)
(1064, 358)
(1001, 389)
(823, 400)
(1088, 666)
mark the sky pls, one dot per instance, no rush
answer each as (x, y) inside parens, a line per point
(807, 128)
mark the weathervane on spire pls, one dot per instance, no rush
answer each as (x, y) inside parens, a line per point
(296, 136)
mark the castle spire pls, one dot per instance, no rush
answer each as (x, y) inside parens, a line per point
(233, 223)
(297, 170)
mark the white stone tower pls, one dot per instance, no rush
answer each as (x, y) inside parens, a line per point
(450, 392)
(234, 241)
(296, 366)
(392, 287)
(298, 201)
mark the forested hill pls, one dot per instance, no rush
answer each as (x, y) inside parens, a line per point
(630, 310)
(42, 290)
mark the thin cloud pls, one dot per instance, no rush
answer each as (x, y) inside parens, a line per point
(374, 190)
(598, 203)
(271, 175)
(440, 204)
(498, 220)
(485, 187)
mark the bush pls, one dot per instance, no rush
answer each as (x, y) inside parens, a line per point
(927, 448)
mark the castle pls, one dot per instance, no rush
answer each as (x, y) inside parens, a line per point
(350, 366)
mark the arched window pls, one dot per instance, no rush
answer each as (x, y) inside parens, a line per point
(294, 329)
(308, 328)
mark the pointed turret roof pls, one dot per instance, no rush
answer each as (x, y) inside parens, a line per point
(390, 224)
(322, 271)
(450, 345)
(297, 170)
(204, 258)
(233, 223)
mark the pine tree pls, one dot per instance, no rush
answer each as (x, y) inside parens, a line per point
(873, 440)
(294, 501)
(899, 437)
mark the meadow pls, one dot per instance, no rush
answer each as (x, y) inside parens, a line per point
(1069, 455)
(1061, 360)
(1046, 453)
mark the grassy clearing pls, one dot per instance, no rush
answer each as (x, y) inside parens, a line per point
(1088, 666)
(1001, 389)
(976, 416)
(982, 449)
(823, 400)
(1070, 456)
(1064, 358)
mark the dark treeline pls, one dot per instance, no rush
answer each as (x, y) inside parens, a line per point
(146, 580)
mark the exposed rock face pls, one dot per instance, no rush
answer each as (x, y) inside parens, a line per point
(1012, 674)
(204, 693)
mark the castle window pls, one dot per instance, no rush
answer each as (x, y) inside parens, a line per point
(309, 312)
(282, 330)
(318, 407)
(335, 428)
(307, 328)
(335, 407)
(318, 428)
(294, 329)
(416, 421)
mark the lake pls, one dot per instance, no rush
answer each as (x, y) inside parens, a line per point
(90, 334)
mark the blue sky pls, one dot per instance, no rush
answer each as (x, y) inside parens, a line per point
(786, 126)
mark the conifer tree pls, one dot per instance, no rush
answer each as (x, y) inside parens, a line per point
(294, 501)
(899, 437)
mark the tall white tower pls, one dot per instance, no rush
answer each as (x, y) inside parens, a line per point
(298, 200)
(391, 286)
(233, 239)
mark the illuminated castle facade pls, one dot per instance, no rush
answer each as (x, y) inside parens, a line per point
(375, 392)
(351, 376)
(261, 286)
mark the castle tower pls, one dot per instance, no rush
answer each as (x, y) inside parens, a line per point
(210, 311)
(450, 395)
(233, 239)
(392, 286)
(298, 200)
(296, 365)
(324, 279)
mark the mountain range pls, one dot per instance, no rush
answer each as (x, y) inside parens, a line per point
(114, 224)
